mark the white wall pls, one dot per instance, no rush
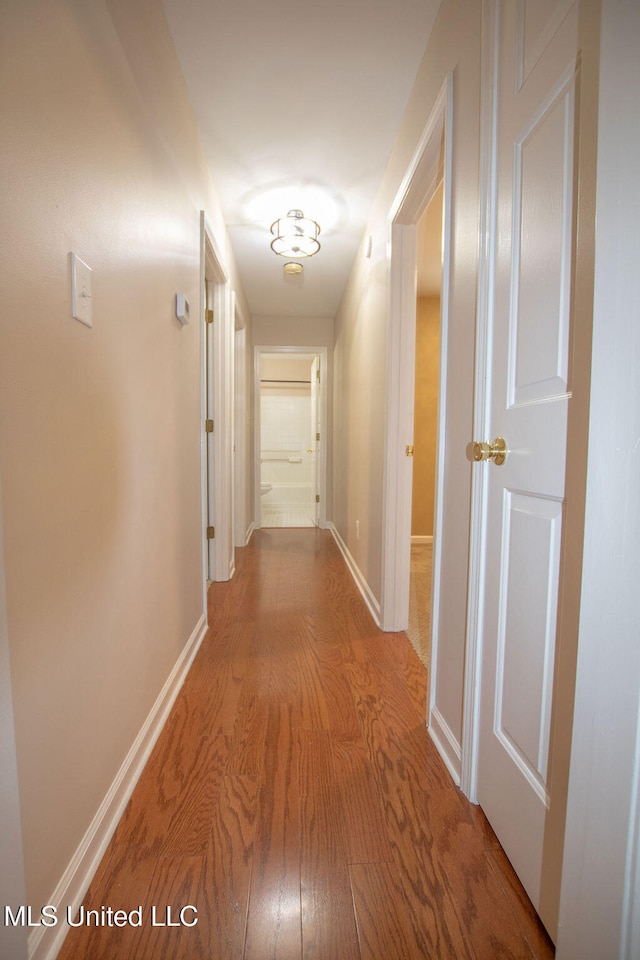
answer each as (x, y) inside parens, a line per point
(285, 426)
(99, 428)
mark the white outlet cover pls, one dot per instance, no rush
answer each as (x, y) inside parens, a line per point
(81, 291)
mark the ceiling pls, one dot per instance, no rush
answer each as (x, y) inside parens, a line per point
(298, 106)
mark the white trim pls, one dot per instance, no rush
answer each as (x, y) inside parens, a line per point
(421, 179)
(45, 942)
(417, 539)
(310, 352)
(447, 219)
(631, 901)
(223, 432)
(203, 413)
(600, 893)
(359, 579)
(13, 940)
(446, 744)
(481, 425)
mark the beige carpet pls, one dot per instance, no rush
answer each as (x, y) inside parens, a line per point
(419, 629)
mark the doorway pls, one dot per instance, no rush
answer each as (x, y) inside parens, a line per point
(290, 437)
(427, 370)
(429, 169)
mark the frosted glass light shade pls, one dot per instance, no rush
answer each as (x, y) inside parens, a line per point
(295, 235)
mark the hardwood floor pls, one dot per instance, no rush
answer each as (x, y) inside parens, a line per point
(295, 799)
(420, 573)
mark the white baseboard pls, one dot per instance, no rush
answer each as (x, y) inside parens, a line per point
(249, 534)
(373, 605)
(45, 942)
(419, 539)
(446, 744)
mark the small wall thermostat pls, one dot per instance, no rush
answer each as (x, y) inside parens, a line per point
(182, 308)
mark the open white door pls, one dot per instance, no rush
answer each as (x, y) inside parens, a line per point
(531, 310)
(216, 411)
(210, 446)
(315, 437)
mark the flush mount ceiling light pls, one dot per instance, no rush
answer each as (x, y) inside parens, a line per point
(295, 235)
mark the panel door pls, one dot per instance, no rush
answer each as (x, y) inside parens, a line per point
(209, 439)
(315, 435)
(532, 253)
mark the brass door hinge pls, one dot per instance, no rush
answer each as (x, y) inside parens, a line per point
(318, 375)
(211, 533)
(208, 426)
(208, 316)
(317, 498)
(317, 436)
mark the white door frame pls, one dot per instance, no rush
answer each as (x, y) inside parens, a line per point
(417, 189)
(217, 563)
(13, 940)
(479, 478)
(600, 897)
(240, 418)
(316, 434)
(306, 352)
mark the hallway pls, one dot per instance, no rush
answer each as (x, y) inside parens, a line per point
(295, 799)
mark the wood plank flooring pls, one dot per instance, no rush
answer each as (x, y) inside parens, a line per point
(295, 799)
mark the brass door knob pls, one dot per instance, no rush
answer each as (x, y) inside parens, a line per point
(496, 451)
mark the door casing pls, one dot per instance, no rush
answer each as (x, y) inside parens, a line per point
(431, 161)
(240, 460)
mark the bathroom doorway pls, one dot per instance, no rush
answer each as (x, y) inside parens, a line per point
(289, 438)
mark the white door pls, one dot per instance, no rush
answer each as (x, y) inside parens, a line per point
(209, 426)
(315, 438)
(533, 294)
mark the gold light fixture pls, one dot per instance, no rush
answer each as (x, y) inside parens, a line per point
(293, 269)
(295, 235)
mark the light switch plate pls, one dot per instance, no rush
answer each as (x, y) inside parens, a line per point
(182, 308)
(81, 291)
